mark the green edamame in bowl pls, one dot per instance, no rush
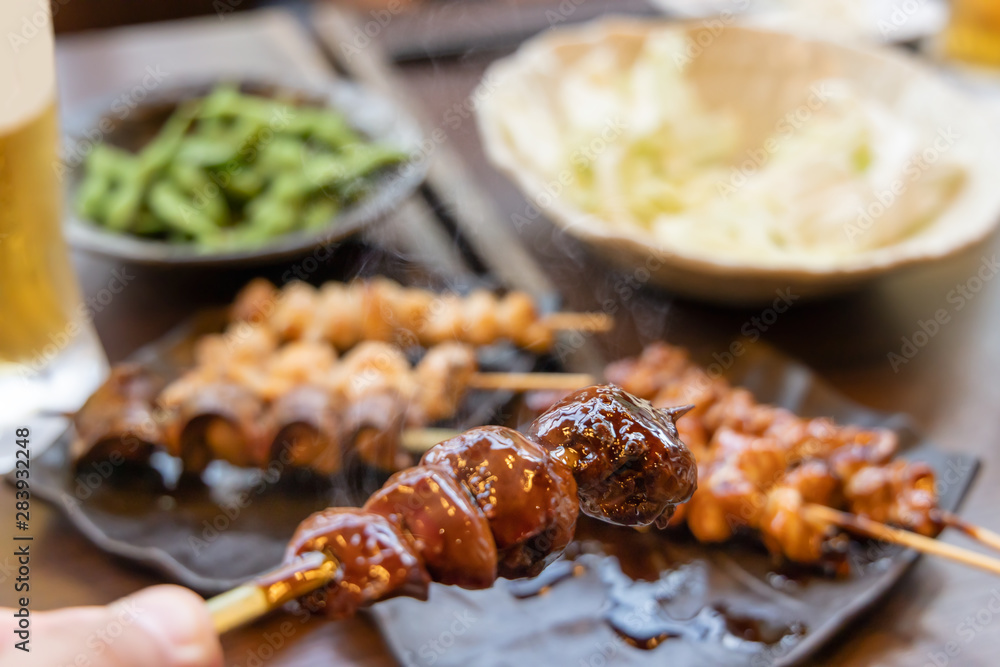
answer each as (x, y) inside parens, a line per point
(224, 172)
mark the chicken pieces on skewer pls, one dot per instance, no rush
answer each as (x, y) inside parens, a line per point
(370, 394)
(379, 309)
(118, 422)
(249, 402)
(432, 389)
(272, 383)
(494, 502)
(759, 463)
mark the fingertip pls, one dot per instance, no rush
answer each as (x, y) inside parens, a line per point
(178, 620)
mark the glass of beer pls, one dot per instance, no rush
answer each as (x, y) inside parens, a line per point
(49, 356)
(974, 33)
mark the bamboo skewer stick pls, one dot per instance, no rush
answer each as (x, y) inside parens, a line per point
(927, 545)
(245, 604)
(311, 571)
(594, 322)
(982, 535)
(419, 440)
(531, 381)
(238, 607)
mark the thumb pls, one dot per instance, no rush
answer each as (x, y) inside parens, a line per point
(163, 626)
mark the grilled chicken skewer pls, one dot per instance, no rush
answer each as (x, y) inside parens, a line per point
(760, 465)
(346, 314)
(489, 502)
(250, 402)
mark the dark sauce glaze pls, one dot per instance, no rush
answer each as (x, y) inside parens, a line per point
(528, 499)
(655, 594)
(375, 561)
(452, 537)
(296, 577)
(492, 502)
(630, 466)
(543, 583)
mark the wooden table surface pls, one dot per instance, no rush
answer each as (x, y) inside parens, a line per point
(950, 387)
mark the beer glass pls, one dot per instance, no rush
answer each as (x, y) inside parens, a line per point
(974, 33)
(50, 359)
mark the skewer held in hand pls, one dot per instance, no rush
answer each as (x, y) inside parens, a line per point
(245, 604)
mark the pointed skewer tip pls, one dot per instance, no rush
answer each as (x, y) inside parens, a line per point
(679, 411)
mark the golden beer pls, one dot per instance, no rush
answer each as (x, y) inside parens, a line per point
(50, 358)
(38, 294)
(974, 33)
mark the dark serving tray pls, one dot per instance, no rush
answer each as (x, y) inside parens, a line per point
(717, 605)
(213, 536)
(721, 605)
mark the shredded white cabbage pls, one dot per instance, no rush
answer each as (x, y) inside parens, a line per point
(645, 155)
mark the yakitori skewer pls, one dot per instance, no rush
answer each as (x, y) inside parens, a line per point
(432, 389)
(590, 322)
(419, 440)
(464, 516)
(822, 516)
(760, 464)
(121, 422)
(530, 381)
(345, 314)
(298, 577)
(978, 533)
(249, 401)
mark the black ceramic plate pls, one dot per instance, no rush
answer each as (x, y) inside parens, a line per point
(215, 535)
(724, 605)
(372, 114)
(692, 604)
